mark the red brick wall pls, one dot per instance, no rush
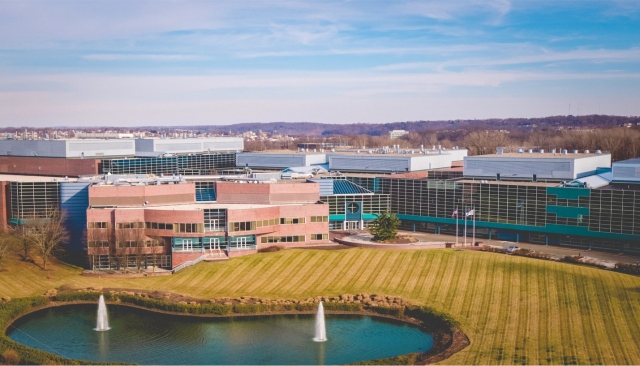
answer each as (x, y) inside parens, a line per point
(138, 195)
(48, 166)
(177, 258)
(229, 192)
(4, 207)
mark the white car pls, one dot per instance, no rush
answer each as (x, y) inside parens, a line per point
(512, 248)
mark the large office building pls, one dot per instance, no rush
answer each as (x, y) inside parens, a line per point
(168, 223)
(192, 156)
(181, 207)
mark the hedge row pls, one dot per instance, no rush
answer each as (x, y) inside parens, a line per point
(201, 309)
(431, 316)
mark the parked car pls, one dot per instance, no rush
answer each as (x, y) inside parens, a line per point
(512, 248)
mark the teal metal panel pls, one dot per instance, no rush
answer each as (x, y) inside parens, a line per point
(569, 193)
(342, 186)
(353, 210)
(368, 217)
(568, 212)
(548, 229)
(336, 217)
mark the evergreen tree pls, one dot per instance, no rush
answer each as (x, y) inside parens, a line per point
(385, 226)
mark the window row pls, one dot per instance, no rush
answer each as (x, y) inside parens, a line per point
(282, 239)
(319, 236)
(159, 226)
(319, 218)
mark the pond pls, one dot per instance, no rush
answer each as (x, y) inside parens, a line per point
(147, 337)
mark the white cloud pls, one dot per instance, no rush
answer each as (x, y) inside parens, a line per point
(139, 57)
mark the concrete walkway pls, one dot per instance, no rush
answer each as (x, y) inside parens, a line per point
(433, 241)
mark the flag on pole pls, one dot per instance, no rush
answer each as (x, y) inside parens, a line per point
(471, 213)
(455, 213)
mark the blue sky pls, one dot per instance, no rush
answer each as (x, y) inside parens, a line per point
(125, 63)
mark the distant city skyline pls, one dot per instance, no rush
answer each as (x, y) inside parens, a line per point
(145, 63)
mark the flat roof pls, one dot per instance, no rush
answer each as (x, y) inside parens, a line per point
(629, 161)
(204, 205)
(33, 178)
(284, 152)
(537, 155)
(365, 153)
(509, 183)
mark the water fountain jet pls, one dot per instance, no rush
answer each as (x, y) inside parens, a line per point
(321, 331)
(102, 322)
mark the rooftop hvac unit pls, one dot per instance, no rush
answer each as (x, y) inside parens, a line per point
(530, 151)
(586, 151)
(520, 151)
(500, 150)
(598, 152)
(541, 151)
(553, 151)
(575, 151)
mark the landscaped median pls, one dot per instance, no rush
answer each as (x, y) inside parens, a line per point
(448, 338)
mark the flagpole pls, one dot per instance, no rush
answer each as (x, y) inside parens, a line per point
(465, 227)
(474, 226)
(456, 226)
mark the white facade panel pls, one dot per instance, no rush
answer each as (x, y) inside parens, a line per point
(155, 147)
(457, 154)
(588, 165)
(316, 159)
(425, 162)
(371, 163)
(99, 148)
(626, 171)
(560, 168)
(274, 161)
(67, 148)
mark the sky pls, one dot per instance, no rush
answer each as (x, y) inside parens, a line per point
(160, 62)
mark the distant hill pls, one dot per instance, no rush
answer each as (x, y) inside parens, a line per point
(313, 129)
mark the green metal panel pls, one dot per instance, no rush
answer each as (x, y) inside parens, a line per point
(569, 193)
(568, 212)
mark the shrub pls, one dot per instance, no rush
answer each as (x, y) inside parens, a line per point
(10, 357)
(385, 226)
(431, 316)
(273, 248)
(339, 306)
(627, 268)
(493, 249)
(81, 296)
(388, 310)
(571, 259)
(531, 254)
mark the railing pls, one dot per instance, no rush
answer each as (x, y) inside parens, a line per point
(188, 264)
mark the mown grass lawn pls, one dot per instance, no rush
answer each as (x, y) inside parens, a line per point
(515, 310)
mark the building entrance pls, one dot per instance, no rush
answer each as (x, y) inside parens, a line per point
(352, 225)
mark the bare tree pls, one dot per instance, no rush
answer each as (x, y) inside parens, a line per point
(485, 142)
(8, 245)
(47, 233)
(139, 239)
(120, 246)
(22, 232)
